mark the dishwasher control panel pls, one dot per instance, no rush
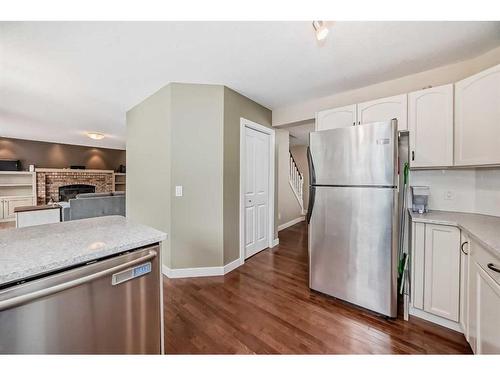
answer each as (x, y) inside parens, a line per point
(131, 273)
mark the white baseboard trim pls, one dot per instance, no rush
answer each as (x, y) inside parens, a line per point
(233, 265)
(435, 319)
(276, 242)
(290, 223)
(178, 273)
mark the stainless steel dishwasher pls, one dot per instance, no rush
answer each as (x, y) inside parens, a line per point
(111, 306)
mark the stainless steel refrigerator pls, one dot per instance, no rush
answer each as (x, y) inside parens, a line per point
(354, 216)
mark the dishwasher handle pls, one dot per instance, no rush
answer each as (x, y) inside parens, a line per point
(24, 298)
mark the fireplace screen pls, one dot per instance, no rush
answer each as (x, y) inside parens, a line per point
(67, 192)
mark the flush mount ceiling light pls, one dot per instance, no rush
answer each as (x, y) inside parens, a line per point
(320, 29)
(95, 135)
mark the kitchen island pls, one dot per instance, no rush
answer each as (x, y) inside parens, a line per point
(83, 286)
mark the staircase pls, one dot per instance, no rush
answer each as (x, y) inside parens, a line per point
(296, 180)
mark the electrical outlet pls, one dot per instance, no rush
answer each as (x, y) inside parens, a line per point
(178, 191)
(279, 215)
(448, 195)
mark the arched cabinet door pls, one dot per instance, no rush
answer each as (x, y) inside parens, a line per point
(477, 119)
(385, 109)
(336, 118)
(430, 122)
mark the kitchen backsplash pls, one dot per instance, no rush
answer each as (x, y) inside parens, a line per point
(463, 190)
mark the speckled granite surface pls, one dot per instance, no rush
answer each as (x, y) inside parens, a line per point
(30, 251)
(483, 228)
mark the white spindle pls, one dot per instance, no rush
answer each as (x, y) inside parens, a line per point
(296, 181)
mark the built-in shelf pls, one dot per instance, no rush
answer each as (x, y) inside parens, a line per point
(15, 185)
(17, 189)
(119, 181)
(16, 173)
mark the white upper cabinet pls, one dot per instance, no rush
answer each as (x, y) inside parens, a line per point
(442, 271)
(336, 118)
(430, 122)
(477, 119)
(385, 109)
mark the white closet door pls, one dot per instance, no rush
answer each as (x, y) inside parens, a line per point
(256, 191)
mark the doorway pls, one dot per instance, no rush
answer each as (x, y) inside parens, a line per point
(256, 188)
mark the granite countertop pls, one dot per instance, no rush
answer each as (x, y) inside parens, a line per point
(32, 251)
(483, 228)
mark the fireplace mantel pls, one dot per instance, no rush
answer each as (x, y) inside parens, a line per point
(69, 170)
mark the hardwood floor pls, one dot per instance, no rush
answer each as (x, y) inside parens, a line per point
(266, 306)
(7, 225)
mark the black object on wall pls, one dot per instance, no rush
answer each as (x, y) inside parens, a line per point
(10, 165)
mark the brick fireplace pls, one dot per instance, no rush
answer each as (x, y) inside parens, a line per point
(48, 181)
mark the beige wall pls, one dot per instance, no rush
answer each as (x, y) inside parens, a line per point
(59, 155)
(237, 106)
(447, 74)
(300, 156)
(149, 163)
(189, 135)
(197, 164)
(288, 207)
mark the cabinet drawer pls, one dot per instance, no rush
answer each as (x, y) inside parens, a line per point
(483, 258)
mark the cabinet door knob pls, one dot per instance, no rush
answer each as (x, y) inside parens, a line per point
(492, 267)
(462, 247)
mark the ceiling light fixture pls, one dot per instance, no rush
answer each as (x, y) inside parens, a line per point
(95, 135)
(320, 29)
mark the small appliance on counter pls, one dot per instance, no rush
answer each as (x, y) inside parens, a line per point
(420, 197)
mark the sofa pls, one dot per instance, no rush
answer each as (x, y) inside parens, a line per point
(88, 205)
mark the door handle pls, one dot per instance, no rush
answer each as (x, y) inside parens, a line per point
(413, 156)
(312, 172)
(462, 247)
(312, 197)
(492, 267)
(24, 298)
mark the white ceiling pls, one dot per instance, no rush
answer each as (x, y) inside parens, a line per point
(59, 80)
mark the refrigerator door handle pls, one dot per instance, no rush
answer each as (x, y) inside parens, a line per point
(312, 196)
(25, 298)
(312, 172)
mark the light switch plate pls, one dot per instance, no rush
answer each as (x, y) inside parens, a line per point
(178, 191)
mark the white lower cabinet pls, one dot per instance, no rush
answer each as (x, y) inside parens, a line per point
(484, 301)
(436, 271)
(442, 271)
(9, 204)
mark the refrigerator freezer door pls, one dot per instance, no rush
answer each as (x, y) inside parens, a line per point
(362, 155)
(353, 246)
